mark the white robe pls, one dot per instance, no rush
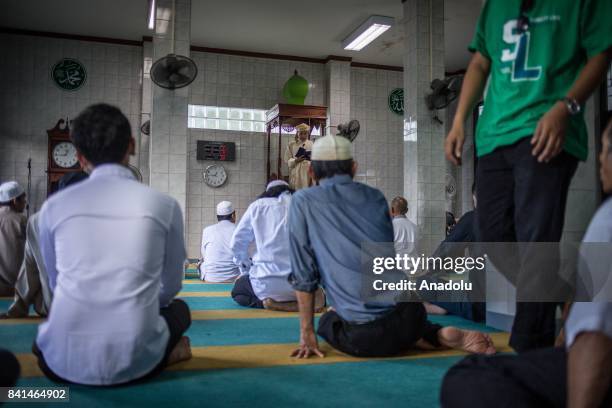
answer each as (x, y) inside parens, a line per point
(298, 171)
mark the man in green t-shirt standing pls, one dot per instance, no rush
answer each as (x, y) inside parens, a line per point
(545, 58)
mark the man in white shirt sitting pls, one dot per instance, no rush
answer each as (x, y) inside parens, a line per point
(217, 257)
(264, 281)
(114, 253)
(404, 230)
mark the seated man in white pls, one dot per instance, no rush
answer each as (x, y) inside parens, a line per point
(114, 253)
(217, 257)
(13, 222)
(264, 282)
(404, 230)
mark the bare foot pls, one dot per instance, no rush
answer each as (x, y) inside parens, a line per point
(181, 352)
(433, 309)
(271, 304)
(466, 340)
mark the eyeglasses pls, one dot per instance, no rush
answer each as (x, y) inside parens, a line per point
(522, 23)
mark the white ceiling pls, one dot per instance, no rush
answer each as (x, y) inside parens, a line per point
(293, 27)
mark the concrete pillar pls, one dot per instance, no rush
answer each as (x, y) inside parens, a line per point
(145, 112)
(424, 163)
(338, 73)
(168, 141)
(584, 193)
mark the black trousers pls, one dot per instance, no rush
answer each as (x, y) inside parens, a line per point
(178, 319)
(10, 369)
(243, 294)
(522, 200)
(387, 336)
(535, 378)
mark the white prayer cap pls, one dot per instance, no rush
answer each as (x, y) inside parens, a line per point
(9, 191)
(225, 208)
(331, 148)
(276, 183)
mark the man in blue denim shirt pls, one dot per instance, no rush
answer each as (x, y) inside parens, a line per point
(327, 225)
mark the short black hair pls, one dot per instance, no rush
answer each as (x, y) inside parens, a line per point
(102, 134)
(276, 191)
(325, 169)
(227, 217)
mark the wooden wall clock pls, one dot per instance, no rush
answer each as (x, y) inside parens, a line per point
(62, 155)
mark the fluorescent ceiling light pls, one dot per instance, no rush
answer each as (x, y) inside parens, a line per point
(151, 14)
(367, 32)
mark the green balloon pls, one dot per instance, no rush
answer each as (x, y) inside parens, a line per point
(295, 89)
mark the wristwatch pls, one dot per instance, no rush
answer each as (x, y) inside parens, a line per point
(573, 107)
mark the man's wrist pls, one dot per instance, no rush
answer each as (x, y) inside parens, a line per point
(307, 327)
(571, 105)
(458, 120)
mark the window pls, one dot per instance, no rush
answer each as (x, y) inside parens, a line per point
(235, 119)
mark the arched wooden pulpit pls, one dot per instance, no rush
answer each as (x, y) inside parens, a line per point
(284, 117)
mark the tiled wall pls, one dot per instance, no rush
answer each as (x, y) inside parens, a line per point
(30, 103)
(243, 82)
(464, 174)
(338, 75)
(583, 196)
(379, 145)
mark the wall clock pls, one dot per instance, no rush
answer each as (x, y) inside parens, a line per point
(64, 155)
(215, 175)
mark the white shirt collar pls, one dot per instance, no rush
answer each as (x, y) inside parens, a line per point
(112, 170)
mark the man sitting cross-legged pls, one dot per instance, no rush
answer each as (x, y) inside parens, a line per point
(32, 285)
(114, 253)
(217, 257)
(12, 234)
(327, 225)
(264, 282)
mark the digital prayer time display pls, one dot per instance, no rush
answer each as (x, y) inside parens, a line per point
(218, 151)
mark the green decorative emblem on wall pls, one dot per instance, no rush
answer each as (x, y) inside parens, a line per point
(69, 74)
(396, 101)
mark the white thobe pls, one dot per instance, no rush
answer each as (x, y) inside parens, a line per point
(218, 259)
(298, 171)
(265, 223)
(404, 235)
(114, 252)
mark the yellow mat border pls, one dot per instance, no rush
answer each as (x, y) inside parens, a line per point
(200, 282)
(270, 355)
(204, 294)
(219, 314)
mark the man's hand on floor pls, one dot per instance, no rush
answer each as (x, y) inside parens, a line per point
(309, 345)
